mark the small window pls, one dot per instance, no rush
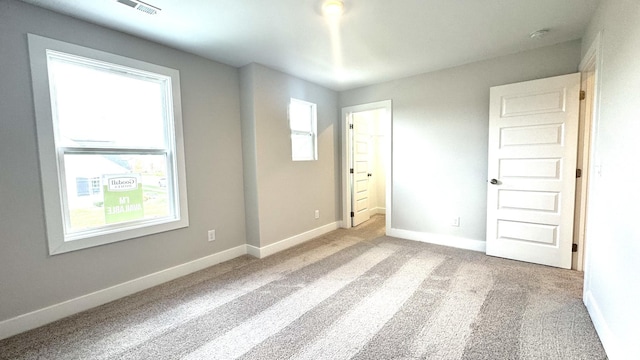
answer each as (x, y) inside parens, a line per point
(110, 144)
(302, 122)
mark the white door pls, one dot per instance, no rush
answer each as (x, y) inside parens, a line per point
(361, 168)
(533, 130)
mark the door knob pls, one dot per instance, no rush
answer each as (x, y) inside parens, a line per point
(369, 175)
(494, 182)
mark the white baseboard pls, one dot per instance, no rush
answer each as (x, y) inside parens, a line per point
(438, 239)
(58, 311)
(253, 251)
(61, 310)
(610, 343)
(261, 252)
(378, 210)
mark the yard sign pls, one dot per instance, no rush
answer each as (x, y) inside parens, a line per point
(122, 198)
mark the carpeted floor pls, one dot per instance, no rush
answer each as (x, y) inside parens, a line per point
(351, 294)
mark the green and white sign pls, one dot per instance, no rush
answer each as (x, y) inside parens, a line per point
(122, 198)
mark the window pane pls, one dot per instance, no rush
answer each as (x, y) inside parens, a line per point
(97, 107)
(302, 147)
(104, 189)
(300, 116)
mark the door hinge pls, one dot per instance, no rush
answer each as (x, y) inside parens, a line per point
(350, 126)
(574, 247)
(350, 171)
(353, 214)
(583, 95)
(578, 173)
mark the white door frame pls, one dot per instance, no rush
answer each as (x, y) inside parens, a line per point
(588, 65)
(592, 61)
(346, 155)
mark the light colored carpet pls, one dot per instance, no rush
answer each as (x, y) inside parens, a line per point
(351, 294)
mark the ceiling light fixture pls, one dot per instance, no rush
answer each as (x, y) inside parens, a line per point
(538, 34)
(333, 8)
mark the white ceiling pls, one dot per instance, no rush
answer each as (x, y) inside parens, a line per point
(376, 40)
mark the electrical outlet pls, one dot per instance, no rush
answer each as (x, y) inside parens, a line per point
(455, 221)
(317, 214)
(212, 235)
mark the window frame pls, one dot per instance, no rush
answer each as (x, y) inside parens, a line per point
(51, 154)
(313, 133)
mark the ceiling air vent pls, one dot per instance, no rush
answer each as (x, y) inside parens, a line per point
(139, 5)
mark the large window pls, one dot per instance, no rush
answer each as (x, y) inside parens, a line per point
(110, 143)
(302, 122)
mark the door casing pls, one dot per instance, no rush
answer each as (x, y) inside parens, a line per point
(592, 61)
(589, 68)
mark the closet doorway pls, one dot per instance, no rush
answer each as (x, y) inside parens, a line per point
(366, 162)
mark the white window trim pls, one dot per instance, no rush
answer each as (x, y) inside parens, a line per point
(49, 172)
(313, 134)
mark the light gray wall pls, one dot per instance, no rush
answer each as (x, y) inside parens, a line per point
(612, 271)
(288, 192)
(440, 129)
(29, 278)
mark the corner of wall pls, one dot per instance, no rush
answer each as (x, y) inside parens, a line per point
(249, 153)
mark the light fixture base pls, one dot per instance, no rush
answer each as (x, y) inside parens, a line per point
(332, 8)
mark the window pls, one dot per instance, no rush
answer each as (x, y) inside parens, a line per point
(110, 145)
(302, 122)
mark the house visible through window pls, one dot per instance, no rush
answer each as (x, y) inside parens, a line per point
(303, 125)
(87, 187)
(96, 187)
(82, 186)
(116, 129)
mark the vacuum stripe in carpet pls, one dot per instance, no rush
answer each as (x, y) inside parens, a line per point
(402, 329)
(167, 319)
(307, 327)
(499, 322)
(180, 340)
(269, 322)
(446, 333)
(344, 338)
